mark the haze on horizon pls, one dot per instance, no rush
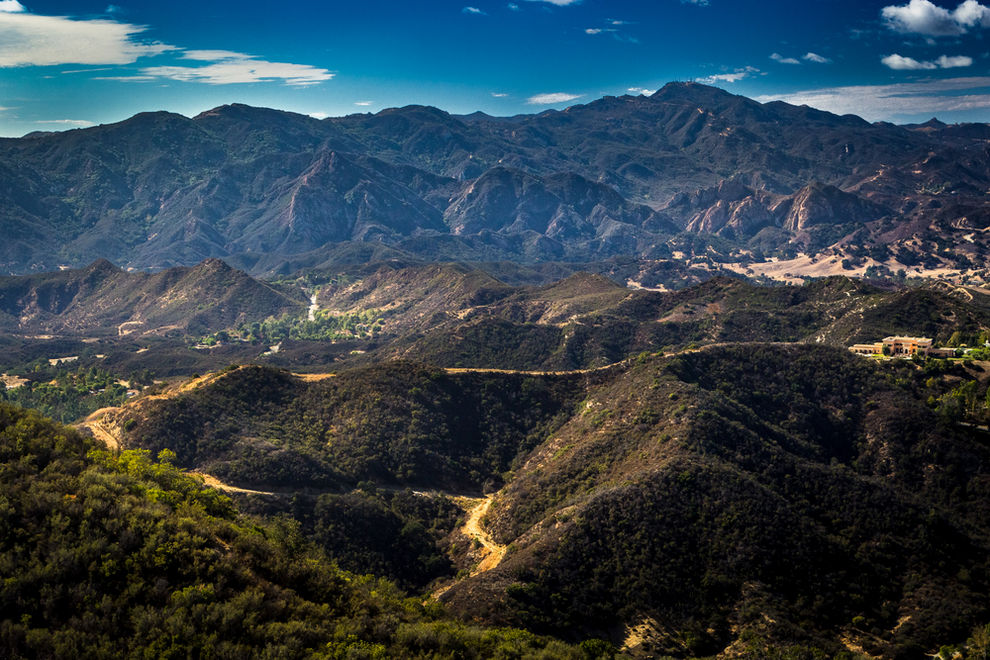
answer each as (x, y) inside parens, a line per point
(75, 64)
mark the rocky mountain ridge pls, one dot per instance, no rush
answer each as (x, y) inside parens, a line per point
(629, 175)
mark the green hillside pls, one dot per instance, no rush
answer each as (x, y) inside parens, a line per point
(115, 555)
(730, 499)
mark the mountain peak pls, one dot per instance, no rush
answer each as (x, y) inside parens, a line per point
(213, 265)
(688, 89)
(102, 266)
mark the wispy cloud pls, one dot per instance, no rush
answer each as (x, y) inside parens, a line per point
(362, 103)
(89, 70)
(559, 3)
(211, 55)
(700, 3)
(71, 123)
(926, 18)
(127, 79)
(499, 95)
(777, 57)
(724, 77)
(613, 29)
(473, 10)
(807, 57)
(31, 40)
(228, 68)
(733, 77)
(888, 102)
(552, 98)
(642, 90)
(902, 63)
(513, 6)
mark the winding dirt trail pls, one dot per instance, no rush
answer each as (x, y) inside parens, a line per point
(493, 552)
(213, 482)
(94, 423)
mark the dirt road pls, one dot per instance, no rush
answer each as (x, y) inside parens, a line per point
(493, 552)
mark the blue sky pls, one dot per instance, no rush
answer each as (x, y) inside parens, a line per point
(74, 64)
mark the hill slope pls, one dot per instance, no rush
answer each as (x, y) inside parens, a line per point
(102, 299)
(729, 499)
(110, 555)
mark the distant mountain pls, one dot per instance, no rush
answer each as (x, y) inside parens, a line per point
(618, 176)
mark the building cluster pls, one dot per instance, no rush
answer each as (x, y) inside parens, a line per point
(903, 347)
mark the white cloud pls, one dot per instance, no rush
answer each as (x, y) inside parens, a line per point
(499, 95)
(888, 102)
(700, 3)
(947, 62)
(724, 77)
(230, 68)
(777, 57)
(926, 18)
(615, 32)
(971, 13)
(816, 58)
(89, 70)
(212, 55)
(73, 123)
(473, 10)
(642, 90)
(733, 77)
(126, 78)
(362, 103)
(552, 98)
(31, 40)
(559, 3)
(319, 115)
(901, 63)
(513, 6)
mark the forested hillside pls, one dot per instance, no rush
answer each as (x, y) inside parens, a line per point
(116, 555)
(725, 499)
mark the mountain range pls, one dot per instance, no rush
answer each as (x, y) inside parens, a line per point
(523, 367)
(633, 175)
